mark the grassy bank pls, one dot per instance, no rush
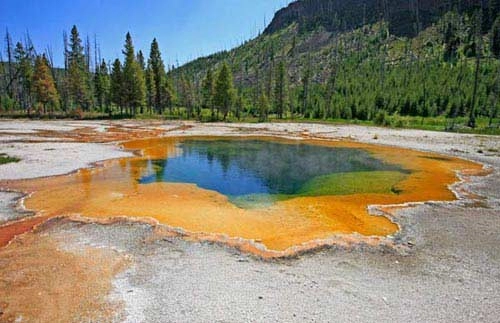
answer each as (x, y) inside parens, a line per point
(5, 159)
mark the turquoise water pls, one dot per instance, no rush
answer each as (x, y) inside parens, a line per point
(249, 168)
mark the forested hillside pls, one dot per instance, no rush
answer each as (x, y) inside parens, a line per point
(447, 66)
(399, 62)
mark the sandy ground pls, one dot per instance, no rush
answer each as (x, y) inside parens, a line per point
(450, 274)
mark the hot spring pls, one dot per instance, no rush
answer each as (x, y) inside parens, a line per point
(275, 192)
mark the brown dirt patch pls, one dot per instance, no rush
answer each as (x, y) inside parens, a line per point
(39, 282)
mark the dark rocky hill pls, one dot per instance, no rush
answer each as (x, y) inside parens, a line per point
(340, 15)
(308, 30)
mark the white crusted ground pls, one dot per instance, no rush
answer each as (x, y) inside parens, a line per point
(451, 275)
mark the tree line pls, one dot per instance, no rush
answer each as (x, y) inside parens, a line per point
(31, 84)
(451, 69)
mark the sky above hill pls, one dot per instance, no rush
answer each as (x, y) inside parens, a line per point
(185, 29)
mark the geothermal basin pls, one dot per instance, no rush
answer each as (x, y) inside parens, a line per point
(265, 195)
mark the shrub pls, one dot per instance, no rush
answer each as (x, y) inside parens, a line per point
(381, 119)
(77, 114)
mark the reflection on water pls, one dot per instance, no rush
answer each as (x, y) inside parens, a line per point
(280, 192)
(244, 167)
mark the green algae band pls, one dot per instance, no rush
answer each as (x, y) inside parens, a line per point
(297, 192)
(353, 183)
(257, 171)
(382, 182)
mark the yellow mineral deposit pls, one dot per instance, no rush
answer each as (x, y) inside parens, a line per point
(113, 191)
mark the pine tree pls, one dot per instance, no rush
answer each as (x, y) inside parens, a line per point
(97, 86)
(141, 61)
(477, 26)
(304, 95)
(224, 90)
(44, 86)
(116, 85)
(270, 71)
(330, 92)
(106, 85)
(495, 39)
(25, 74)
(239, 106)
(451, 39)
(102, 86)
(207, 92)
(187, 95)
(150, 87)
(269, 81)
(168, 95)
(280, 90)
(78, 72)
(142, 66)
(134, 88)
(263, 107)
(158, 76)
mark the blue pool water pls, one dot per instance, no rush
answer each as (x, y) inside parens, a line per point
(246, 167)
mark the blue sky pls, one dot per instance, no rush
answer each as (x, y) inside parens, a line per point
(185, 29)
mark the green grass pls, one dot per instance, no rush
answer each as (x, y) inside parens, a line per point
(442, 124)
(394, 121)
(430, 124)
(4, 159)
(391, 121)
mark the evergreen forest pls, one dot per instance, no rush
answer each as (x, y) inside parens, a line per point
(400, 63)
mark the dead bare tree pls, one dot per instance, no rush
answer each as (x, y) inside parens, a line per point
(417, 16)
(10, 66)
(2, 79)
(88, 60)
(50, 57)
